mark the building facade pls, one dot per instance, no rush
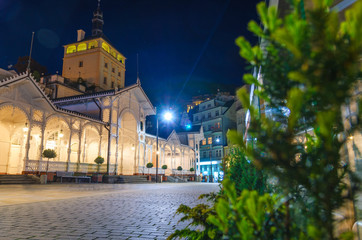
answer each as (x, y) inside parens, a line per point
(216, 116)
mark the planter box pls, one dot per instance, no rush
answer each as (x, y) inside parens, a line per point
(164, 178)
(97, 178)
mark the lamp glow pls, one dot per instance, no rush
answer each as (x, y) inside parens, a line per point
(217, 140)
(188, 126)
(25, 129)
(168, 116)
(61, 134)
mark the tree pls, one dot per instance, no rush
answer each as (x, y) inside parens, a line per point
(192, 169)
(49, 153)
(304, 61)
(35, 67)
(164, 167)
(99, 161)
(244, 174)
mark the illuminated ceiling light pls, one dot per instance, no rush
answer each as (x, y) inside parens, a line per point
(350, 137)
(25, 129)
(217, 140)
(133, 148)
(61, 133)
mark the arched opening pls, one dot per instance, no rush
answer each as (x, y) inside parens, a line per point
(90, 145)
(168, 159)
(92, 44)
(82, 47)
(35, 144)
(14, 132)
(71, 49)
(129, 141)
(56, 137)
(105, 47)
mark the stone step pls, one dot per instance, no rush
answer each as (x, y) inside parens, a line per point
(17, 179)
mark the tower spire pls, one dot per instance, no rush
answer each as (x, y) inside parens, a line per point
(97, 21)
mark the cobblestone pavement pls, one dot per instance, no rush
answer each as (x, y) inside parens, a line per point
(138, 211)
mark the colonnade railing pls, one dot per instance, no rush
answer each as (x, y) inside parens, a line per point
(36, 166)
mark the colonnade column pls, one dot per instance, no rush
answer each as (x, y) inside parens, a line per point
(27, 145)
(79, 148)
(40, 164)
(69, 148)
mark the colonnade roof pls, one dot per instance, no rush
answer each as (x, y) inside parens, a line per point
(37, 90)
(138, 90)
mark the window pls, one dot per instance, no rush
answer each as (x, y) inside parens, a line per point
(113, 70)
(106, 65)
(209, 140)
(141, 125)
(204, 142)
(112, 85)
(80, 63)
(217, 113)
(197, 118)
(209, 127)
(203, 117)
(119, 74)
(217, 125)
(204, 154)
(209, 106)
(71, 49)
(105, 80)
(92, 44)
(209, 115)
(105, 46)
(82, 47)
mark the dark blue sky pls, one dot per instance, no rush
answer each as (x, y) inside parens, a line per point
(169, 36)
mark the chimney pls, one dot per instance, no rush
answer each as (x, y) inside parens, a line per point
(80, 35)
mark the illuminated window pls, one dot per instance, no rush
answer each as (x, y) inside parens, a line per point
(92, 44)
(82, 47)
(71, 49)
(217, 125)
(113, 53)
(80, 63)
(209, 140)
(105, 47)
(204, 142)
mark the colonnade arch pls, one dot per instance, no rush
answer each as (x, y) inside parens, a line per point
(13, 138)
(129, 141)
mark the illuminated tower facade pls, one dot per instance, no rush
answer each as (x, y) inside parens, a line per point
(93, 59)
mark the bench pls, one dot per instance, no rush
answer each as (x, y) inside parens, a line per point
(70, 175)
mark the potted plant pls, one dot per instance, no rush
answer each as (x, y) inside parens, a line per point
(149, 165)
(191, 170)
(99, 161)
(47, 153)
(164, 178)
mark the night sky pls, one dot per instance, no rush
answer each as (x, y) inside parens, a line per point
(169, 36)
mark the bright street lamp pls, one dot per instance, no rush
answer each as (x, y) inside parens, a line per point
(168, 117)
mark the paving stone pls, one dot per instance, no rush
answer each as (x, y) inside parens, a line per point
(139, 211)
